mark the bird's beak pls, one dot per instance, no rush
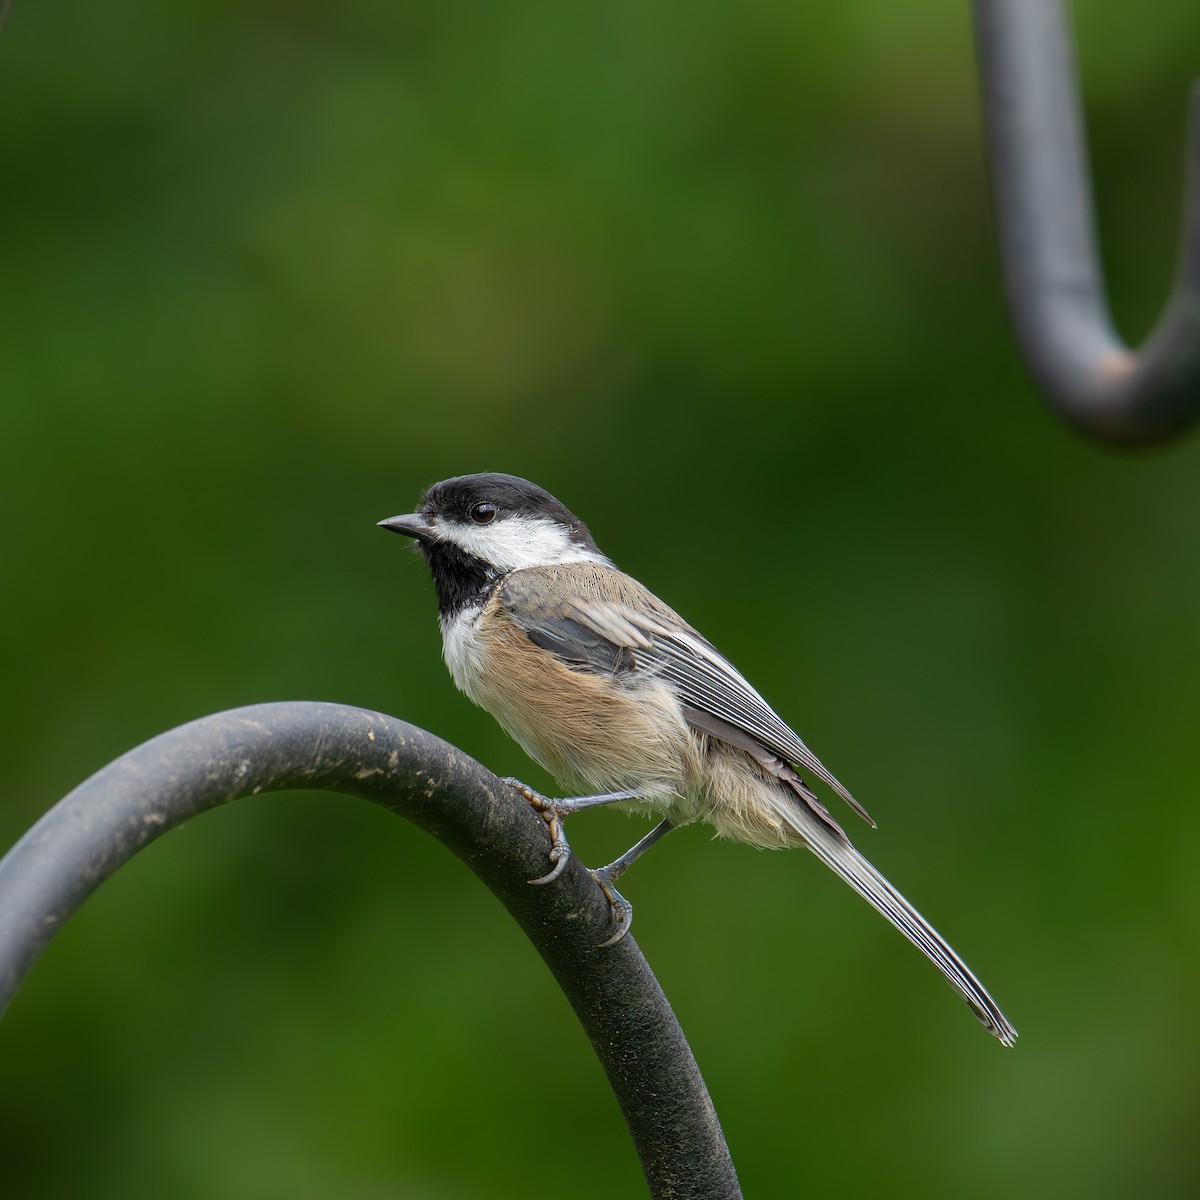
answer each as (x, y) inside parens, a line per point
(411, 525)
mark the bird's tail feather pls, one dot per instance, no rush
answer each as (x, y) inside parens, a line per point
(846, 862)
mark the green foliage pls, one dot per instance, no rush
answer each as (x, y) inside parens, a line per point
(723, 280)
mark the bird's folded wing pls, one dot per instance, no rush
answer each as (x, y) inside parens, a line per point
(637, 632)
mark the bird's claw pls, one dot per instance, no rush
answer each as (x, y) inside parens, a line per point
(560, 850)
(552, 813)
(622, 910)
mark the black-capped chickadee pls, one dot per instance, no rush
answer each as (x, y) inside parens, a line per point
(609, 689)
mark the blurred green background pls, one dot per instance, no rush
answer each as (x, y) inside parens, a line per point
(724, 280)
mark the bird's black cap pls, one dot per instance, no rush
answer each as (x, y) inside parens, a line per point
(453, 499)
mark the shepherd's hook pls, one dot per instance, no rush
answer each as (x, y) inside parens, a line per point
(1053, 277)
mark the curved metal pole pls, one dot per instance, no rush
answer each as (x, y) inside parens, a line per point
(272, 747)
(1053, 278)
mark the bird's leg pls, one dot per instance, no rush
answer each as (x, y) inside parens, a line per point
(553, 811)
(607, 876)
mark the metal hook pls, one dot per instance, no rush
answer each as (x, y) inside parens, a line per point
(1053, 277)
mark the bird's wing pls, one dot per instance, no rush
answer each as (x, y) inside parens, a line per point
(595, 618)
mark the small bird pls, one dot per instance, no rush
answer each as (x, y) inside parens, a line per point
(610, 690)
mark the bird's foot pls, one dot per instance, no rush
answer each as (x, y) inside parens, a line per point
(622, 910)
(552, 812)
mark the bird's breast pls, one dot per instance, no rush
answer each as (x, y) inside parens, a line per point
(585, 727)
(464, 650)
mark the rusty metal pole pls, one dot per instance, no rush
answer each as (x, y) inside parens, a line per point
(273, 747)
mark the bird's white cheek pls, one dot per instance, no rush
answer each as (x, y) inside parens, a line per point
(516, 543)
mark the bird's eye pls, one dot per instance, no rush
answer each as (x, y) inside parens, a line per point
(483, 514)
